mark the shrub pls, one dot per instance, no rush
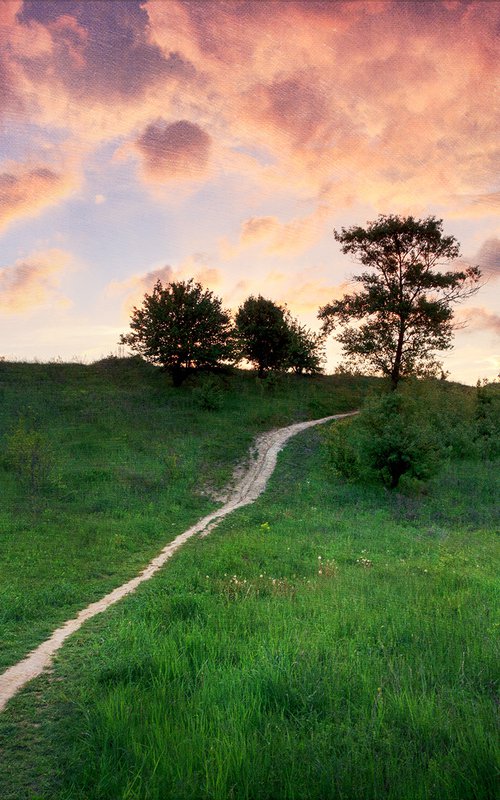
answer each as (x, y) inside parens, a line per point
(390, 437)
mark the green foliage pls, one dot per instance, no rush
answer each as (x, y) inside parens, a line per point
(412, 430)
(182, 327)
(404, 304)
(487, 418)
(271, 339)
(391, 437)
(28, 454)
(263, 334)
(306, 350)
(208, 394)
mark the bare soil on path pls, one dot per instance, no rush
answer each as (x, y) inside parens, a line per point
(250, 485)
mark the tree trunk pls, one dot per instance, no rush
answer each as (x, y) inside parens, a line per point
(178, 376)
(396, 367)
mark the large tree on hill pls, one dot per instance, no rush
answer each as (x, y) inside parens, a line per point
(404, 303)
(182, 327)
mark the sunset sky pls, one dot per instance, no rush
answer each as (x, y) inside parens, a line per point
(145, 139)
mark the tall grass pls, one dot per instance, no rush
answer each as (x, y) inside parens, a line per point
(129, 462)
(329, 641)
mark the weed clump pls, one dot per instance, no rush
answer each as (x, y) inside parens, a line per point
(28, 454)
(209, 394)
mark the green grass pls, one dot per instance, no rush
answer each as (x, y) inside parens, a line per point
(133, 463)
(242, 671)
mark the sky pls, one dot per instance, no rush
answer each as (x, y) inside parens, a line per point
(226, 141)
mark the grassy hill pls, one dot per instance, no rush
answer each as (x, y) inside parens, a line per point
(329, 641)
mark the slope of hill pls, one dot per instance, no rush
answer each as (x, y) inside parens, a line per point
(329, 641)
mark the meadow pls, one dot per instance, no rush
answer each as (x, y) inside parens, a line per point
(332, 640)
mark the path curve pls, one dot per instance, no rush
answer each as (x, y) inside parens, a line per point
(249, 487)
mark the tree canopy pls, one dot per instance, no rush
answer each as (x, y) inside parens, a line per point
(183, 327)
(263, 333)
(306, 350)
(271, 339)
(404, 303)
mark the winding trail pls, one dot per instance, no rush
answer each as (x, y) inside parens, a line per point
(249, 487)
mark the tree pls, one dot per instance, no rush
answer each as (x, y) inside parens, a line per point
(182, 327)
(404, 304)
(305, 348)
(263, 334)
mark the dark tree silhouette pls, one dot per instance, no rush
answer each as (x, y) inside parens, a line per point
(306, 350)
(183, 327)
(404, 304)
(263, 334)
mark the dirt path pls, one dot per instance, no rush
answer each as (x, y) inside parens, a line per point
(248, 488)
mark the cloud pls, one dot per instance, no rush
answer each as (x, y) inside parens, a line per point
(318, 102)
(471, 206)
(134, 288)
(11, 102)
(479, 319)
(34, 281)
(27, 190)
(178, 150)
(305, 291)
(292, 106)
(384, 101)
(488, 256)
(100, 51)
(275, 237)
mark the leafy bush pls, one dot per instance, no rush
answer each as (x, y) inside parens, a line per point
(390, 437)
(467, 422)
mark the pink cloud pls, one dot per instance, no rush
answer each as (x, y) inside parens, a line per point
(134, 288)
(488, 256)
(278, 238)
(292, 106)
(174, 150)
(34, 281)
(100, 50)
(390, 102)
(26, 190)
(479, 319)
